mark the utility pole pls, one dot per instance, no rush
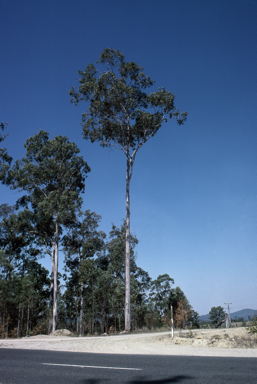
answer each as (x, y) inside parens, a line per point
(228, 319)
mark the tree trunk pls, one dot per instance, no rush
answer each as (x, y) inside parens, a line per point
(22, 315)
(77, 313)
(7, 327)
(52, 280)
(50, 327)
(71, 327)
(55, 277)
(135, 315)
(19, 321)
(81, 310)
(93, 308)
(127, 261)
(3, 334)
(27, 320)
(81, 301)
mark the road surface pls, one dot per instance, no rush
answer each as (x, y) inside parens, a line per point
(52, 367)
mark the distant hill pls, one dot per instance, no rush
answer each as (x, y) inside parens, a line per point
(243, 313)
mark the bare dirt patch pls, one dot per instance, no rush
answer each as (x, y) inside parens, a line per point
(218, 338)
(59, 332)
(230, 342)
(62, 332)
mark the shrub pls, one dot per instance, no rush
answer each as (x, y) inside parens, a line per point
(253, 325)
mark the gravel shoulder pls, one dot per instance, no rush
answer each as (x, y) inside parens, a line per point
(235, 342)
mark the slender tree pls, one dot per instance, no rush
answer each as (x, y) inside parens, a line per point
(194, 318)
(81, 243)
(52, 175)
(122, 114)
(23, 282)
(160, 293)
(217, 314)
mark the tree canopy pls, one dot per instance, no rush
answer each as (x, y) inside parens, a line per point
(52, 175)
(5, 159)
(217, 314)
(121, 113)
(104, 290)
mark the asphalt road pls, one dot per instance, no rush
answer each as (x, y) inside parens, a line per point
(51, 367)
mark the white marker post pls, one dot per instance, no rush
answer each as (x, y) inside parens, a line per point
(172, 323)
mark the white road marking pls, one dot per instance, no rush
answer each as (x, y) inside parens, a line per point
(92, 366)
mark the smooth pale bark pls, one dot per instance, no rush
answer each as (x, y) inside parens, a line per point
(50, 327)
(55, 273)
(127, 260)
(52, 279)
(93, 307)
(81, 304)
(116, 101)
(55, 289)
(81, 312)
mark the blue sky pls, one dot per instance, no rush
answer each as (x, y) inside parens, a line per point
(193, 189)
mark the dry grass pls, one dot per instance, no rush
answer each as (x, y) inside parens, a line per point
(228, 338)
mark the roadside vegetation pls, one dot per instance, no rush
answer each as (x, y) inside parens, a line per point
(88, 298)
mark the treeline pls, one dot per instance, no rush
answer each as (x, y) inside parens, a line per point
(104, 290)
(47, 217)
(91, 299)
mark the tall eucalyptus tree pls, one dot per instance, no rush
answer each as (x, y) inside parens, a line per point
(52, 175)
(123, 115)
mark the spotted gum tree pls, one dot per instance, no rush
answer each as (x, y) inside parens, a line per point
(121, 113)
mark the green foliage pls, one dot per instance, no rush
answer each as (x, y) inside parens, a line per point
(24, 288)
(2, 128)
(5, 159)
(17, 248)
(217, 314)
(95, 273)
(194, 318)
(253, 325)
(160, 294)
(120, 110)
(237, 320)
(81, 244)
(122, 114)
(83, 240)
(102, 274)
(52, 174)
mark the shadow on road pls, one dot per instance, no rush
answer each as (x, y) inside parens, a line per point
(174, 379)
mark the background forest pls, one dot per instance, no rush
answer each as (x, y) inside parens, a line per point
(47, 219)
